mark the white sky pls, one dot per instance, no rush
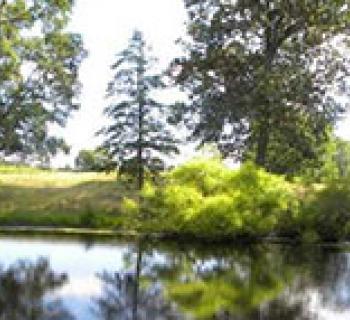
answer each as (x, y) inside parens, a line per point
(106, 26)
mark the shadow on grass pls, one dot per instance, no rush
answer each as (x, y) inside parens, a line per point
(88, 204)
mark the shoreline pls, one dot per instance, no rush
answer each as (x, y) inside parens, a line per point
(134, 235)
(65, 231)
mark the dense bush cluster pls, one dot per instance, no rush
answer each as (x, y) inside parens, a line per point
(205, 198)
(326, 212)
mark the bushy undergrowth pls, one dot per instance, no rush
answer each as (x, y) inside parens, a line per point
(202, 198)
(205, 198)
(326, 212)
(78, 220)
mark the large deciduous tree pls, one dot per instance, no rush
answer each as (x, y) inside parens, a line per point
(39, 61)
(138, 132)
(264, 76)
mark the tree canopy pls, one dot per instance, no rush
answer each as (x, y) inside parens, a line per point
(265, 74)
(93, 160)
(138, 132)
(39, 62)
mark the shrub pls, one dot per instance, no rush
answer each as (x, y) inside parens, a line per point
(205, 198)
(208, 176)
(89, 219)
(328, 211)
(263, 199)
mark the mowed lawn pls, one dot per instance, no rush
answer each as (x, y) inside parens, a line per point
(42, 197)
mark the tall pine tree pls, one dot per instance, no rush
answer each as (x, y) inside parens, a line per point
(138, 134)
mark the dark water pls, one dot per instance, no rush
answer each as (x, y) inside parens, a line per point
(46, 278)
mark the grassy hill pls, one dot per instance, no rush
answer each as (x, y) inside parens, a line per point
(30, 196)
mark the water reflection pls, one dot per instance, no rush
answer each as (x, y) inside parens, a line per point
(108, 281)
(133, 293)
(23, 287)
(260, 282)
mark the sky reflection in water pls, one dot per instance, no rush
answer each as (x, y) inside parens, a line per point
(61, 279)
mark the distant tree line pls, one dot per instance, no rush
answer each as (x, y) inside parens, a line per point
(94, 160)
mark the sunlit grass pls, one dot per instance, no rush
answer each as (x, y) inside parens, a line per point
(32, 177)
(42, 197)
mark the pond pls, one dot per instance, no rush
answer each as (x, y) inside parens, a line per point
(65, 278)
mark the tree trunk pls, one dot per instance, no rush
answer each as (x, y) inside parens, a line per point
(137, 283)
(140, 164)
(263, 142)
(140, 168)
(263, 134)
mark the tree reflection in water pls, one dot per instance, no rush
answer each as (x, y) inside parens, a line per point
(195, 284)
(23, 287)
(156, 282)
(130, 295)
(258, 282)
(234, 284)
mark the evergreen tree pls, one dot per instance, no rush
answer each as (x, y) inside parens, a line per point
(264, 75)
(138, 132)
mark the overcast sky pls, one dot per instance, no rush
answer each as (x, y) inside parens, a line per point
(106, 26)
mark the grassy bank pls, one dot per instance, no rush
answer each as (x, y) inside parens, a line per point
(35, 197)
(201, 199)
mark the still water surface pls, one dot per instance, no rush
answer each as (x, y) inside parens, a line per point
(59, 278)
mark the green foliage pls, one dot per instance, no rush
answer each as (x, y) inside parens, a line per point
(138, 132)
(154, 166)
(201, 198)
(327, 211)
(89, 219)
(292, 146)
(205, 198)
(38, 75)
(334, 163)
(94, 160)
(130, 209)
(262, 77)
(206, 175)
